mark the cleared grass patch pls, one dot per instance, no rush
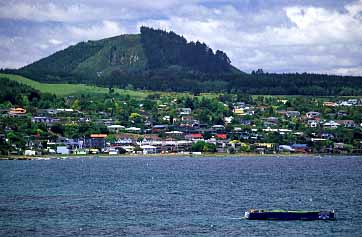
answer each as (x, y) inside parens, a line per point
(71, 89)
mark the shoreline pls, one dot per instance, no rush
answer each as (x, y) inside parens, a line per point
(170, 155)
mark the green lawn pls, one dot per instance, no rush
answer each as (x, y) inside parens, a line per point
(70, 89)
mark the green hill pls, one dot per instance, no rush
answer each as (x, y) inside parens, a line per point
(157, 60)
(121, 59)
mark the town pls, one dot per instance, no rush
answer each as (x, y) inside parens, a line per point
(180, 123)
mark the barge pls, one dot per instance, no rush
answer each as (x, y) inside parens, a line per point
(260, 214)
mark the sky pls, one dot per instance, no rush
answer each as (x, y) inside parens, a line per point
(318, 36)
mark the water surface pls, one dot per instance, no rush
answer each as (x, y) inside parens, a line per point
(177, 196)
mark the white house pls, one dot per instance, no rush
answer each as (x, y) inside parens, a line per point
(313, 114)
(115, 128)
(331, 124)
(148, 149)
(63, 150)
(312, 123)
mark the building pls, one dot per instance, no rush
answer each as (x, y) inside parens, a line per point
(331, 124)
(115, 128)
(292, 114)
(46, 120)
(97, 141)
(148, 149)
(17, 112)
(184, 111)
(302, 148)
(313, 114)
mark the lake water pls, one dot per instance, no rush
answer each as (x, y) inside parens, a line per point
(177, 196)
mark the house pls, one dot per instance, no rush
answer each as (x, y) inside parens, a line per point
(285, 148)
(29, 153)
(353, 101)
(129, 148)
(221, 136)
(245, 122)
(133, 130)
(312, 123)
(342, 113)
(194, 136)
(228, 120)
(313, 114)
(329, 104)
(97, 141)
(148, 149)
(17, 112)
(177, 134)
(159, 128)
(115, 128)
(346, 103)
(184, 111)
(331, 124)
(63, 150)
(239, 111)
(292, 114)
(326, 135)
(218, 127)
(346, 123)
(46, 120)
(303, 148)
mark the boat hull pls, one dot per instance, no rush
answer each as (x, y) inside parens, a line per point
(290, 215)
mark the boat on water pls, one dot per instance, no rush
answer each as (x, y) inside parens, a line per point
(261, 214)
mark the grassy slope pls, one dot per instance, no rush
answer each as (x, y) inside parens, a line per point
(70, 89)
(76, 89)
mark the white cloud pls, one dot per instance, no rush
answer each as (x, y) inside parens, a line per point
(302, 39)
(55, 41)
(96, 31)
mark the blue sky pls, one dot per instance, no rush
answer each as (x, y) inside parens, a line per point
(322, 36)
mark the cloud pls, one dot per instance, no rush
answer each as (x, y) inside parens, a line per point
(294, 38)
(94, 32)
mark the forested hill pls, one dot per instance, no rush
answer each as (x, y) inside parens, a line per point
(164, 49)
(164, 61)
(150, 52)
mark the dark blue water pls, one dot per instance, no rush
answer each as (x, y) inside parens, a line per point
(177, 196)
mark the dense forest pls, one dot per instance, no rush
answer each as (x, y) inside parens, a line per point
(13, 93)
(164, 61)
(164, 49)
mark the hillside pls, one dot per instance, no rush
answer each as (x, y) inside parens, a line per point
(69, 89)
(164, 61)
(106, 62)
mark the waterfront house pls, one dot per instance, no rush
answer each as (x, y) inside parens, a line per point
(148, 149)
(302, 148)
(63, 150)
(97, 141)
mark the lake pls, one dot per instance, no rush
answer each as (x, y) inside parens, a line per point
(177, 196)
